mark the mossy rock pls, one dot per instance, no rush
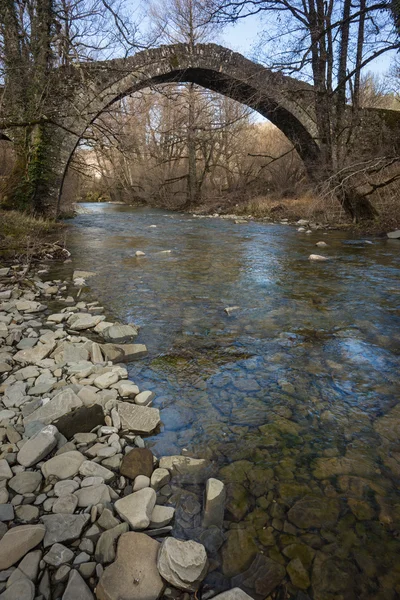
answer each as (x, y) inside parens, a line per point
(238, 551)
(298, 574)
(238, 501)
(301, 551)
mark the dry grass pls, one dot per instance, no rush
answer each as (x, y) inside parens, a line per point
(22, 235)
(305, 206)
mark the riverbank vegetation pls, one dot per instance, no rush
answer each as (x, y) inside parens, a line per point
(23, 236)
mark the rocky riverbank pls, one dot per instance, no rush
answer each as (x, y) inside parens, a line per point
(85, 508)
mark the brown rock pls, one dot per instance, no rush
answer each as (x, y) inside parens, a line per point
(134, 575)
(138, 461)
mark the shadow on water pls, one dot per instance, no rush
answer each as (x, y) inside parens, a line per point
(294, 396)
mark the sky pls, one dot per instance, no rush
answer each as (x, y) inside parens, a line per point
(243, 37)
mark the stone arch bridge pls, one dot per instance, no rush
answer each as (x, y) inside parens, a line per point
(90, 88)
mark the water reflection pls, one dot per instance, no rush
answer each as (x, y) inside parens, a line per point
(294, 396)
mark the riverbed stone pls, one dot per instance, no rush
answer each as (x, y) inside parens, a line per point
(92, 469)
(77, 588)
(29, 565)
(159, 478)
(105, 547)
(63, 528)
(105, 380)
(17, 542)
(38, 446)
(351, 464)
(314, 511)
(58, 555)
(23, 589)
(120, 334)
(64, 465)
(238, 502)
(5, 471)
(145, 398)
(394, 235)
(189, 470)
(215, 503)
(136, 562)
(182, 564)
(161, 516)
(233, 594)
(298, 575)
(82, 321)
(25, 482)
(138, 461)
(6, 512)
(65, 505)
(238, 551)
(261, 578)
(32, 356)
(61, 404)
(388, 426)
(95, 494)
(80, 420)
(136, 508)
(139, 419)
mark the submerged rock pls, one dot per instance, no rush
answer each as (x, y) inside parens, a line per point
(238, 551)
(314, 511)
(261, 578)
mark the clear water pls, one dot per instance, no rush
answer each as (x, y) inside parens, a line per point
(296, 381)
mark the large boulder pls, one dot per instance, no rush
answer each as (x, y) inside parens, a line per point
(134, 575)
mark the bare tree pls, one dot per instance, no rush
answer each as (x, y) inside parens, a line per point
(328, 43)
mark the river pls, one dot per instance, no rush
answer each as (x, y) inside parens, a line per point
(288, 395)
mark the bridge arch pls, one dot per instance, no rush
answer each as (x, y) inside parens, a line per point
(94, 87)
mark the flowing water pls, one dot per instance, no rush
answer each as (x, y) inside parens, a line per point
(294, 396)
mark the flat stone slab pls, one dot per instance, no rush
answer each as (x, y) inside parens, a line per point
(139, 419)
(63, 528)
(76, 588)
(38, 446)
(61, 404)
(80, 420)
(31, 356)
(17, 542)
(314, 512)
(136, 562)
(123, 352)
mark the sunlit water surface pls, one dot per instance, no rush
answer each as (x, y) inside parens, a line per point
(287, 395)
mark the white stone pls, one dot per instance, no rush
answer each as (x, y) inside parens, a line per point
(161, 516)
(65, 505)
(141, 482)
(63, 488)
(394, 235)
(145, 398)
(233, 594)
(127, 389)
(136, 509)
(82, 321)
(182, 564)
(159, 478)
(140, 253)
(320, 245)
(105, 380)
(317, 257)
(215, 503)
(38, 446)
